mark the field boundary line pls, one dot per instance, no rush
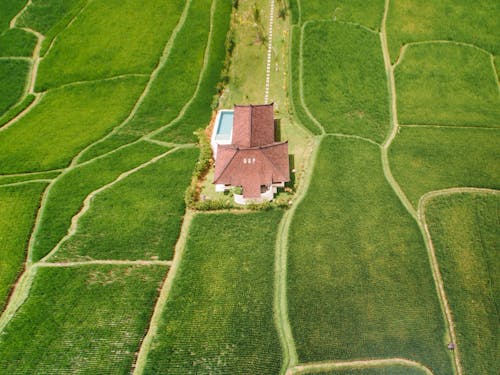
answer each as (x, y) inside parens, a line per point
(105, 262)
(29, 173)
(354, 136)
(495, 73)
(269, 51)
(22, 58)
(358, 364)
(152, 77)
(301, 79)
(79, 83)
(88, 200)
(140, 363)
(448, 126)
(352, 24)
(13, 21)
(280, 301)
(23, 113)
(40, 180)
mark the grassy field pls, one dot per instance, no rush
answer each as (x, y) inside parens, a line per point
(64, 122)
(219, 315)
(464, 230)
(458, 20)
(81, 320)
(132, 44)
(18, 205)
(359, 282)
(44, 15)
(447, 84)
(9, 9)
(389, 370)
(67, 194)
(425, 159)
(17, 43)
(344, 79)
(139, 217)
(13, 75)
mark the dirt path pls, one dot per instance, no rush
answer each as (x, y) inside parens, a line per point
(107, 262)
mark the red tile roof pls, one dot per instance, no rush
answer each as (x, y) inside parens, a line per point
(253, 125)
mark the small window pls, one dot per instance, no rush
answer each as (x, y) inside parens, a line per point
(244, 160)
(253, 160)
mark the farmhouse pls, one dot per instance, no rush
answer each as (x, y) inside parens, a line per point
(247, 154)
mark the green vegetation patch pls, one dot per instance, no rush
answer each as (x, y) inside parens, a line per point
(447, 84)
(344, 79)
(16, 109)
(136, 33)
(42, 15)
(9, 9)
(17, 42)
(367, 13)
(219, 315)
(466, 21)
(386, 370)
(13, 75)
(139, 217)
(76, 320)
(18, 206)
(425, 159)
(64, 122)
(176, 82)
(359, 280)
(464, 231)
(199, 111)
(113, 142)
(11, 179)
(66, 196)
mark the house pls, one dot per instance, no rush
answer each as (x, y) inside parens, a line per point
(247, 154)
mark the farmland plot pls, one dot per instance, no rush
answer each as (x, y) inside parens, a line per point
(13, 75)
(17, 43)
(359, 283)
(389, 370)
(464, 230)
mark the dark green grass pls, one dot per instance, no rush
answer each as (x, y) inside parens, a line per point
(112, 143)
(219, 315)
(68, 193)
(389, 370)
(138, 218)
(13, 179)
(13, 75)
(359, 280)
(199, 111)
(43, 15)
(176, 81)
(447, 84)
(17, 42)
(426, 159)
(135, 35)
(466, 21)
(344, 80)
(16, 109)
(18, 205)
(367, 13)
(464, 230)
(9, 9)
(64, 122)
(296, 104)
(81, 320)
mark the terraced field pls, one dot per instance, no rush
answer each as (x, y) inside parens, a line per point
(386, 254)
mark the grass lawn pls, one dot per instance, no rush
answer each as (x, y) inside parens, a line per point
(68, 193)
(13, 75)
(359, 280)
(447, 84)
(367, 13)
(344, 79)
(81, 320)
(473, 22)
(464, 230)
(139, 217)
(64, 122)
(17, 42)
(388, 370)
(219, 315)
(426, 159)
(18, 205)
(135, 35)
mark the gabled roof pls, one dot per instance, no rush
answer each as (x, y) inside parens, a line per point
(251, 167)
(253, 125)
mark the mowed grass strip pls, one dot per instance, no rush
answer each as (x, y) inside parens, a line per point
(18, 206)
(366, 13)
(17, 42)
(64, 122)
(219, 314)
(386, 370)
(176, 81)
(81, 320)
(344, 79)
(199, 112)
(458, 20)
(359, 281)
(447, 84)
(13, 75)
(464, 231)
(425, 159)
(139, 217)
(113, 37)
(68, 193)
